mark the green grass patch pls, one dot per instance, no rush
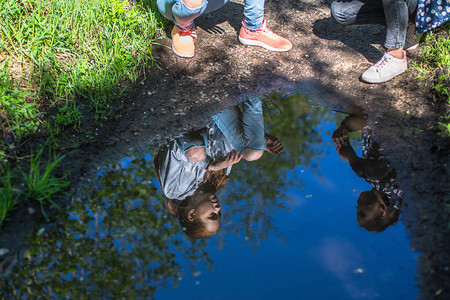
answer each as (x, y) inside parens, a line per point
(60, 52)
(436, 65)
(8, 197)
(17, 113)
(42, 184)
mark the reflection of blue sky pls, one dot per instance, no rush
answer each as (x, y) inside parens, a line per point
(320, 252)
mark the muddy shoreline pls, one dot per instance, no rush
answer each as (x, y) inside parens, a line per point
(179, 94)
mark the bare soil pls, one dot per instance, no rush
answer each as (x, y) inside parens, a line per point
(326, 60)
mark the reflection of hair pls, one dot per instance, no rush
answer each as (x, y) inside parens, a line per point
(378, 223)
(194, 228)
(181, 209)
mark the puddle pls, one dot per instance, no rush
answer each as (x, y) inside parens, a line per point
(288, 226)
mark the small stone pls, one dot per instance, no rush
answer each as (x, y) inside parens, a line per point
(31, 211)
(3, 251)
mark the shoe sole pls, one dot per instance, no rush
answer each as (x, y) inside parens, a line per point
(381, 80)
(181, 55)
(412, 48)
(261, 44)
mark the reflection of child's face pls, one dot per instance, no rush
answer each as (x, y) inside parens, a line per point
(196, 154)
(208, 212)
(367, 207)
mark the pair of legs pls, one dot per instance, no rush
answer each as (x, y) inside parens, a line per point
(394, 14)
(253, 32)
(184, 12)
(244, 129)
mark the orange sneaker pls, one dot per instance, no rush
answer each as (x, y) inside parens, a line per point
(265, 38)
(183, 42)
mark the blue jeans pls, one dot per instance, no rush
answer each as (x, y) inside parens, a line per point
(394, 14)
(183, 16)
(243, 129)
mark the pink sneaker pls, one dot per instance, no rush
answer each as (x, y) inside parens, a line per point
(183, 42)
(265, 38)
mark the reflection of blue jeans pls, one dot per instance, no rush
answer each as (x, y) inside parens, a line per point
(183, 16)
(243, 129)
(392, 13)
(192, 139)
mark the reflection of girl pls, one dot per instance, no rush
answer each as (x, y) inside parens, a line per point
(194, 166)
(379, 208)
(199, 214)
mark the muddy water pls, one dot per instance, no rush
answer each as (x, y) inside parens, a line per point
(289, 229)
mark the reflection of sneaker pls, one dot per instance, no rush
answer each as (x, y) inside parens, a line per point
(183, 42)
(385, 69)
(412, 39)
(265, 38)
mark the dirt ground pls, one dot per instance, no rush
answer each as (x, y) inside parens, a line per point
(326, 60)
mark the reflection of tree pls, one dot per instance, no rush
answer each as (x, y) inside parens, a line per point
(257, 189)
(117, 241)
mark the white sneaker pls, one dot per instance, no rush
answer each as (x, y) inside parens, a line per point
(385, 69)
(412, 39)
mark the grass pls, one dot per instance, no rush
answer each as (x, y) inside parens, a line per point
(8, 197)
(436, 65)
(56, 54)
(63, 63)
(42, 184)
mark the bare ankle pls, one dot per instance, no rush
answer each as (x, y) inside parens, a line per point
(397, 53)
(192, 4)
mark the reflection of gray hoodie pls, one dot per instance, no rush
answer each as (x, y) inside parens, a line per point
(180, 177)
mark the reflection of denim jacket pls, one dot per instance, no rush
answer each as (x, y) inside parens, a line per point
(180, 177)
(431, 14)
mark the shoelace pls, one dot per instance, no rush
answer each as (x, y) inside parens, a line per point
(190, 33)
(268, 32)
(382, 62)
(264, 29)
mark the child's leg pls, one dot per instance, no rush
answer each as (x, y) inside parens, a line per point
(229, 123)
(182, 13)
(253, 128)
(253, 14)
(253, 124)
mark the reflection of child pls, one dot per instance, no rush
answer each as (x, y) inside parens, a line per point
(199, 214)
(196, 165)
(379, 208)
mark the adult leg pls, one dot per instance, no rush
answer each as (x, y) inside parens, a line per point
(358, 12)
(393, 62)
(398, 13)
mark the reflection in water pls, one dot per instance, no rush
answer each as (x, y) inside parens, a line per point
(380, 207)
(116, 241)
(193, 167)
(288, 225)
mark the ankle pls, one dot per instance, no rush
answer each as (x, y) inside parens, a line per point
(397, 53)
(193, 4)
